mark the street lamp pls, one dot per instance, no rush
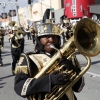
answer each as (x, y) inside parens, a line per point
(3, 5)
(17, 7)
(30, 9)
(11, 4)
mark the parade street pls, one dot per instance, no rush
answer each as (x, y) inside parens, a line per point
(91, 90)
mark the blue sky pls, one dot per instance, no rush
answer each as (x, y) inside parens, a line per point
(22, 3)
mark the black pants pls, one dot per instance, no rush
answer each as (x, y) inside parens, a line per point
(64, 37)
(29, 36)
(22, 46)
(0, 59)
(2, 39)
(15, 56)
(33, 36)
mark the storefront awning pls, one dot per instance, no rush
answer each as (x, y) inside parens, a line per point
(94, 9)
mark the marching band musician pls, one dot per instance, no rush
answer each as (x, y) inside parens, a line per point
(12, 29)
(30, 63)
(66, 28)
(16, 47)
(71, 32)
(11, 33)
(28, 33)
(33, 32)
(1, 35)
(23, 40)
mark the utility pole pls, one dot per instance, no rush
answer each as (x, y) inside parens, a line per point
(50, 4)
(30, 9)
(3, 7)
(17, 7)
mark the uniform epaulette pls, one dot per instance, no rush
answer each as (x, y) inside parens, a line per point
(23, 65)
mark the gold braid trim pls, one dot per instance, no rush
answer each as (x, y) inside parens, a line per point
(21, 69)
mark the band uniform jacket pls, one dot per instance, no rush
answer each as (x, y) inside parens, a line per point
(0, 42)
(2, 38)
(17, 44)
(27, 86)
(0, 52)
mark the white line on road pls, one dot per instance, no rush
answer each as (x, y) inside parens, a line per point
(93, 74)
(5, 54)
(7, 49)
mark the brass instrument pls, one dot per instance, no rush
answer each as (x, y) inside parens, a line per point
(86, 41)
(19, 32)
(12, 23)
(2, 32)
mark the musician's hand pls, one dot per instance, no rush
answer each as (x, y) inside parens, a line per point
(68, 65)
(59, 79)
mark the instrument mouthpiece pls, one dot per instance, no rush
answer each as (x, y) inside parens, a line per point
(52, 46)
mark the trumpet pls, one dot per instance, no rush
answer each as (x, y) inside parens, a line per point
(85, 41)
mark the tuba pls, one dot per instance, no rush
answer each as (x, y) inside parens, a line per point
(84, 41)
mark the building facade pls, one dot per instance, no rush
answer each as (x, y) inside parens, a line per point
(77, 8)
(72, 9)
(95, 10)
(4, 22)
(35, 11)
(39, 8)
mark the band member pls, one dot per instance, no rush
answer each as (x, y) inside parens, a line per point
(11, 33)
(16, 47)
(66, 29)
(1, 63)
(27, 85)
(33, 32)
(28, 33)
(2, 36)
(22, 40)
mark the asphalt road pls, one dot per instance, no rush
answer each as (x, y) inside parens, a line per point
(91, 90)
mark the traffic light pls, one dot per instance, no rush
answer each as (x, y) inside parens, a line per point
(12, 13)
(29, 1)
(4, 15)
